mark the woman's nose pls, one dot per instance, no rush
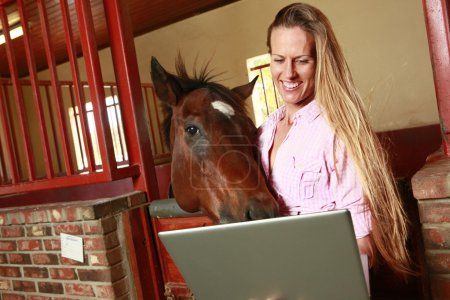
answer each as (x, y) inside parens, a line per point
(290, 70)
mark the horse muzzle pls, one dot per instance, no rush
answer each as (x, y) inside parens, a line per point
(253, 209)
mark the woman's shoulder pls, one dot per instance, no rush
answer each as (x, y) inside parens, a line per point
(314, 117)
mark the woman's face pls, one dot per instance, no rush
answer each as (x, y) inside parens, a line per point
(293, 64)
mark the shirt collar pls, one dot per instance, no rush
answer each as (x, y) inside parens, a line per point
(308, 112)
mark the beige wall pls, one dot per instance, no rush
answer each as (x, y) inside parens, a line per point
(384, 42)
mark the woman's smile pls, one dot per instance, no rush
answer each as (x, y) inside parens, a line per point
(290, 85)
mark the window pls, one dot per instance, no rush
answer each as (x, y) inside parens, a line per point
(265, 97)
(116, 126)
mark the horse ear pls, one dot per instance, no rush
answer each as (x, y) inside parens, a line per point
(166, 85)
(245, 90)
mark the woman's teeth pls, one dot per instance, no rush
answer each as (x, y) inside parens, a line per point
(290, 85)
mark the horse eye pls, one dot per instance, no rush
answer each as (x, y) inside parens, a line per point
(192, 130)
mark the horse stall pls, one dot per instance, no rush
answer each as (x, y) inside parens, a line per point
(81, 155)
(82, 160)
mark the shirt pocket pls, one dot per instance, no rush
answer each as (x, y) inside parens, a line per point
(309, 178)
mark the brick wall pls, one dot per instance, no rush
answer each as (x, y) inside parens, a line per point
(431, 187)
(31, 265)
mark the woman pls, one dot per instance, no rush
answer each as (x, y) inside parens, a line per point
(318, 150)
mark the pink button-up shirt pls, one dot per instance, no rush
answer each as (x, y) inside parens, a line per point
(304, 176)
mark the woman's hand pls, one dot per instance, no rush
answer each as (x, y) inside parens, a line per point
(366, 247)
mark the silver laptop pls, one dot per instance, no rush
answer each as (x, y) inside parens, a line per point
(305, 257)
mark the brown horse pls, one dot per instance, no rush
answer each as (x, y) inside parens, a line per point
(214, 159)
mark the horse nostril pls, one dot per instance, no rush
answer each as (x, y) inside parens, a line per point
(257, 210)
(248, 215)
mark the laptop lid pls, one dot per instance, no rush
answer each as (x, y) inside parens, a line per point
(312, 256)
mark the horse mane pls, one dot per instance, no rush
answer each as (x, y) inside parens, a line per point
(201, 79)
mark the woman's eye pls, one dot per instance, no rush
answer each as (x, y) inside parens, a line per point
(192, 130)
(302, 61)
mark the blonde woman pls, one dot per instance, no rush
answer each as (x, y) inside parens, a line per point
(318, 149)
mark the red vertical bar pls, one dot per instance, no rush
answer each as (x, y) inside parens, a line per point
(136, 132)
(79, 95)
(9, 113)
(438, 32)
(35, 89)
(18, 96)
(95, 80)
(53, 127)
(57, 95)
(119, 122)
(10, 149)
(76, 115)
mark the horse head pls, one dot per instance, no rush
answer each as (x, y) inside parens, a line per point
(215, 165)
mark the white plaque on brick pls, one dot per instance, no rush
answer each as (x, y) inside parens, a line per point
(72, 247)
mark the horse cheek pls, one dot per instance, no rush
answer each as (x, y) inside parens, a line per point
(183, 190)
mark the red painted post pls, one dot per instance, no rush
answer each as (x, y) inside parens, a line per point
(438, 32)
(136, 133)
(131, 100)
(129, 87)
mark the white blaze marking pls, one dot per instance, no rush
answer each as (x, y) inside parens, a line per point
(223, 107)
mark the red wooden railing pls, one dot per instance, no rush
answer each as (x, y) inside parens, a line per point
(27, 164)
(80, 133)
(39, 141)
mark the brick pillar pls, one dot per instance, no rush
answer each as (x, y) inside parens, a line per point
(431, 187)
(31, 265)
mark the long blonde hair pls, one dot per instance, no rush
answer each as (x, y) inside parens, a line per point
(336, 93)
